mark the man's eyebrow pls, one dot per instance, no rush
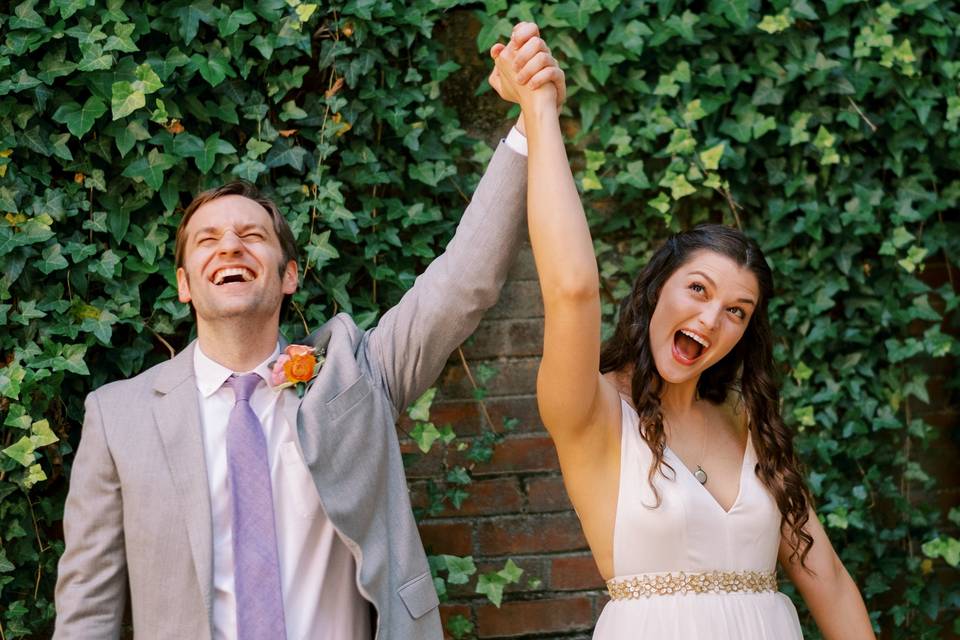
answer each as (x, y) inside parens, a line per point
(217, 230)
(211, 230)
(713, 284)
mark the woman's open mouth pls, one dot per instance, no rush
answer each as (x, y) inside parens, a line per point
(688, 346)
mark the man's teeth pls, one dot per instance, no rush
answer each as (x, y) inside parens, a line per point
(222, 274)
(695, 337)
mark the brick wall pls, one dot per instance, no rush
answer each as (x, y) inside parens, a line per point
(518, 507)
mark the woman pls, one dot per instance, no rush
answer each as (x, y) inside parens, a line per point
(669, 437)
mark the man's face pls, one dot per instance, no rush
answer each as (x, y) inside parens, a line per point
(231, 264)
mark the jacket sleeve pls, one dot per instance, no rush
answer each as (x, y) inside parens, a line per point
(91, 589)
(413, 340)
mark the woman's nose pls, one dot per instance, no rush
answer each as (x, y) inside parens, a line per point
(710, 317)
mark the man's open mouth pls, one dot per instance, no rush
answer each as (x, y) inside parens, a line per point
(232, 274)
(689, 346)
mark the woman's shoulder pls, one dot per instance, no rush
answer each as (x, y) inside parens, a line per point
(733, 413)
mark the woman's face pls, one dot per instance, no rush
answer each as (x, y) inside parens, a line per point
(703, 310)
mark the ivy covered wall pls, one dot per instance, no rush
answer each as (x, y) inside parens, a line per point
(827, 130)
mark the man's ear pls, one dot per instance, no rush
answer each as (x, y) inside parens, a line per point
(183, 286)
(290, 278)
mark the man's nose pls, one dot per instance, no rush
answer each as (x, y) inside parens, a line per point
(230, 243)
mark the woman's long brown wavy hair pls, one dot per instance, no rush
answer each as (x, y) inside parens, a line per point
(748, 370)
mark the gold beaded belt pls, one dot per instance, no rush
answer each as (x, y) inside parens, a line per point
(665, 584)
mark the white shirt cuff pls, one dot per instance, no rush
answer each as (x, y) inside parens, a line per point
(517, 141)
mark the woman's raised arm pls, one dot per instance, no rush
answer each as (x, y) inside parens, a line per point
(570, 392)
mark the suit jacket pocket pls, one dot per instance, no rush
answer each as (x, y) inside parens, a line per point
(419, 595)
(351, 396)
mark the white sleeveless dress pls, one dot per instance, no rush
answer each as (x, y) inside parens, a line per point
(690, 532)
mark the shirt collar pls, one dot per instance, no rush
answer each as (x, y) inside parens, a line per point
(211, 374)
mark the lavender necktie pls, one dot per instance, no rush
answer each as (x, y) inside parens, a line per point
(255, 558)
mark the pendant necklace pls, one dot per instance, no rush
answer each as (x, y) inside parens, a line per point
(700, 474)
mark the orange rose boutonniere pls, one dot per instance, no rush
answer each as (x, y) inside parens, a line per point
(296, 366)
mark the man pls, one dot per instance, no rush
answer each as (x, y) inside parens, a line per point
(236, 510)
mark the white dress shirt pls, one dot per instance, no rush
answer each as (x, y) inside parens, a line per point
(317, 570)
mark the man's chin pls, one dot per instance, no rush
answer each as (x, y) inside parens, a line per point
(237, 309)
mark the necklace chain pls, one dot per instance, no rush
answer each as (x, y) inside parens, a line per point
(700, 474)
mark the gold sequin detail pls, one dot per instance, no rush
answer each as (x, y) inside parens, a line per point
(665, 584)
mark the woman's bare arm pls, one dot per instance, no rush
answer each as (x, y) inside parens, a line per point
(827, 588)
(570, 391)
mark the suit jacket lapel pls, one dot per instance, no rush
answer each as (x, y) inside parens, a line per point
(177, 412)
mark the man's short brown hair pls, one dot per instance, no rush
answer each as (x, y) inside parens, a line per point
(288, 244)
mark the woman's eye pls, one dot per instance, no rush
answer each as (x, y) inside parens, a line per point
(737, 311)
(696, 287)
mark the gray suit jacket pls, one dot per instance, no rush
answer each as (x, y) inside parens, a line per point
(138, 509)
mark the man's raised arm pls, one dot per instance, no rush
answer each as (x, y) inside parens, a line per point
(414, 339)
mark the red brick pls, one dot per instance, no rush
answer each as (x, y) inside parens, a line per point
(946, 421)
(454, 538)
(506, 338)
(936, 274)
(420, 465)
(466, 419)
(518, 299)
(547, 493)
(524, 268)
(530, 534)
(515, 376)
(487, 497)
(574, 573)
(520, 453)
(556, 615)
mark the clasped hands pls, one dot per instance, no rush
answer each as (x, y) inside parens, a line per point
(525, 71)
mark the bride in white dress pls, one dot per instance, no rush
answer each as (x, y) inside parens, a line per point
(669, 436)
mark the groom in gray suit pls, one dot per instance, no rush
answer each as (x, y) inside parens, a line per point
(230, 508)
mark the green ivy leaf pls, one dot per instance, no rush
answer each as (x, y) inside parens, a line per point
(150, 169)
(211, 147)
(231, 23)
(459, 627)
(511, 572)
(79, 120)
(736, 11)
(126, 98)
(491, 585)
(21, 451)
(52, 259)
(42, 435)
(776, 23)
(33, 475)
(424, 434)
(420, 410)
(711, 157)
(459, 569)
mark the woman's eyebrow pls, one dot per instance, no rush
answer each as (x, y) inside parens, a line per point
(713, 284)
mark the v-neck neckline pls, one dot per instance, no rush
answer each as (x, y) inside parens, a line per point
(689, 474)
(712, 498)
